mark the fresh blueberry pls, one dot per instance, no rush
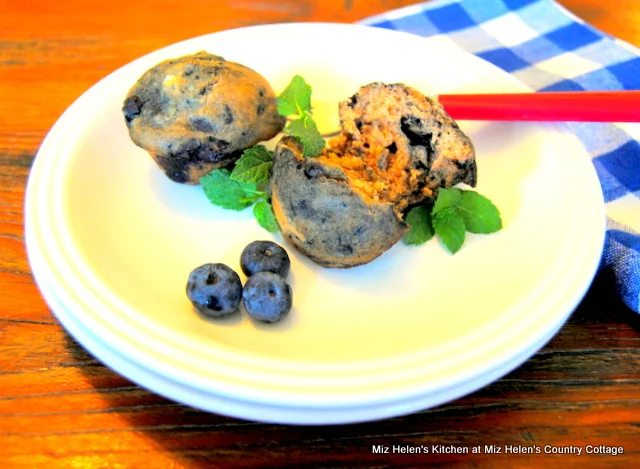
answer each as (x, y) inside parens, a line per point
(214, 289)
(264, 256)
(267, 297)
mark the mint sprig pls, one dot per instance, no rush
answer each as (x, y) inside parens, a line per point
(420, 226)
(295, 101)
(296, 98)
(224, 192)
(449, 226)
(454, 212)
(307, 132)
(253, 166)
(479, 213)
(263, 212)
(446, 198)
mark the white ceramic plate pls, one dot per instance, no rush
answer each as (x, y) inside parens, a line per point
(111, 242)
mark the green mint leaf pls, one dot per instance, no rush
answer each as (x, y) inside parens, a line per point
(252, 197)
(296, 98)
(420, 226)
(224, 192)
(265, 217)
(479, 213)
(447, 198)
(449, 226)
(253, 166)
(307, 132)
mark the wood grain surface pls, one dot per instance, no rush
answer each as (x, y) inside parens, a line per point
(60, 408)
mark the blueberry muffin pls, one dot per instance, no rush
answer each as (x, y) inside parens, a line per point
(321, 214)
(400, 146)
(197, 113)
(396, 149)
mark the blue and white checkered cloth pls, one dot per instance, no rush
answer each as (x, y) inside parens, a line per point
(549, 49)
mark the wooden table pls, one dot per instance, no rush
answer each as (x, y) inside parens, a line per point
(60, 408)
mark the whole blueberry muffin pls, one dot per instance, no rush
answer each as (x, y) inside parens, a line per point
(396, 149)
(197, 113)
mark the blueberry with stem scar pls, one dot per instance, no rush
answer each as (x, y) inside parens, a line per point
(215, 290)
(265, 256)
(267, 297)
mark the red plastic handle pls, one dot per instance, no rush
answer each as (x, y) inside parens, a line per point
(575, 106)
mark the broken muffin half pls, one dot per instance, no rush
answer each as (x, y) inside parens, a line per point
(396, 149)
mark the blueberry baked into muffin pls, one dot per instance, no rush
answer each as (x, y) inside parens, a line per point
(197, 113)
(397, 147)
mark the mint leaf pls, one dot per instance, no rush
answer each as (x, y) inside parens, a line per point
(224, 192)
(420, 226)
(447, 198)
(454, 212)
(265, 217)
(253, 166)
(251, 197)
(296, 98)
(479, 213)
(307, 132)
(449, 226)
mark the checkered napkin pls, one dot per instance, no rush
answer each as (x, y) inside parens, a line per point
(549, 49)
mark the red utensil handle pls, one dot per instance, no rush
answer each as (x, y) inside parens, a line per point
(578, 106)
